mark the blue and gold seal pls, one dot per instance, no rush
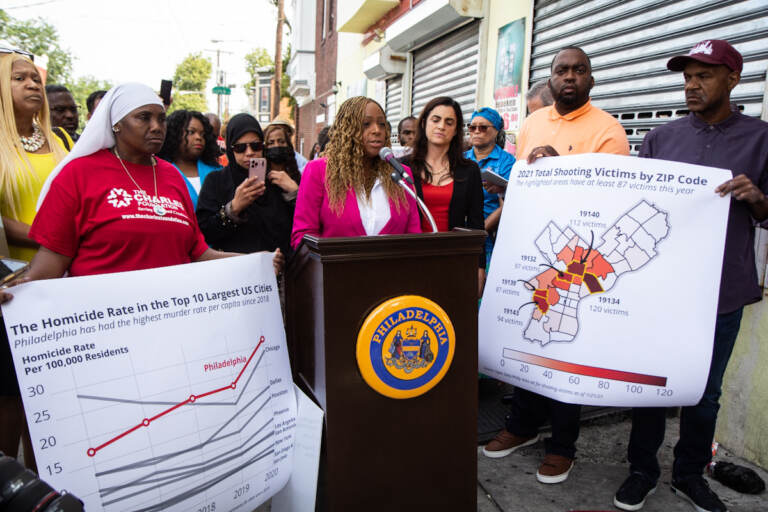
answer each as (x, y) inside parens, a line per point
(405, 346)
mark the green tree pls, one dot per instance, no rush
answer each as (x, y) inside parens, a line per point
(82, 87)
(190, 79)
(193, 73)
(189, 101)
(258, 59)
(41, 38)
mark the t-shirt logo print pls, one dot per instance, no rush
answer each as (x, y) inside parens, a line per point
(119, 198)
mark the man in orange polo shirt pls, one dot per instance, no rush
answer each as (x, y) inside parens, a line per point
(571, 126)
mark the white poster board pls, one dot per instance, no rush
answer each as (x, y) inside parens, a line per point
(604, 281)
(299, 493)
(165, 389)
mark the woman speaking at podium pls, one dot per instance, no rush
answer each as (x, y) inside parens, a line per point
(349, 191)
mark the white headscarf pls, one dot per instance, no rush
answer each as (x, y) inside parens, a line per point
(115, 105)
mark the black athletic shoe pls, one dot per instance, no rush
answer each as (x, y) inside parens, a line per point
(633, 492)
(695, 490)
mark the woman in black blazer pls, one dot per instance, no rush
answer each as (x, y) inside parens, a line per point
(449, 184)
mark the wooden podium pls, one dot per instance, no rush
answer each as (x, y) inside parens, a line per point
(382, 453)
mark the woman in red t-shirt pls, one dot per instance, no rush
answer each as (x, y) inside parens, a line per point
(449, 184)
(111, 206)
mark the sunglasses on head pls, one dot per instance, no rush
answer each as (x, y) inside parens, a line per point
(482, 128)
(4, 49)
(240, 147)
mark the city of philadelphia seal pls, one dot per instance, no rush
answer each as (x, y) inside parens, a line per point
(405, 346)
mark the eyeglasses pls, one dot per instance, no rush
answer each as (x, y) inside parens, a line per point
(30, 56)
(482, 128)
(240, 148)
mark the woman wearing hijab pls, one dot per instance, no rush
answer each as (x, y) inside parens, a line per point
(449, 184)
(348, 192)
(111, 206)
(29, 151)
(192, 147)
(241, 213)
(109, 202)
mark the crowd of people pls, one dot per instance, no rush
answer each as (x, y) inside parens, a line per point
(138, 190)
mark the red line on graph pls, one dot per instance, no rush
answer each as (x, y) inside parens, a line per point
(214, 391)
(147, 421)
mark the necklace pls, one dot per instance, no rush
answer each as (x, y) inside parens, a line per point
(34, 142)
(445, 172)
(158, 209)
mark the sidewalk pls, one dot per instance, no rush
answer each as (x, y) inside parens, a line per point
(509, 484)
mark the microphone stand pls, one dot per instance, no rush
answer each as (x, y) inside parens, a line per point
(397, 178)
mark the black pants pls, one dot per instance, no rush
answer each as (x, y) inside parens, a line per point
(9, 386)
(697, 423)
(529, 411)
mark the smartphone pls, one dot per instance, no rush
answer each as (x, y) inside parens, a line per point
(495, 179)
(165, 91)
(258, 168)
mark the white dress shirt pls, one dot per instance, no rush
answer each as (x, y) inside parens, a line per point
(374, 211)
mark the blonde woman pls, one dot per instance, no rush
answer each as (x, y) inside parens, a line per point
(348, 192)
(28, 153)
(29, 150)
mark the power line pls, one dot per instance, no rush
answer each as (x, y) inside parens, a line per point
(35, 4)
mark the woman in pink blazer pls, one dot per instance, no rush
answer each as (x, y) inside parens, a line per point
(348, 192)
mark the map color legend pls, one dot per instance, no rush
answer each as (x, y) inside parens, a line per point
(580, 369)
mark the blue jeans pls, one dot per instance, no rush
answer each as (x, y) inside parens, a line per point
(693, 450)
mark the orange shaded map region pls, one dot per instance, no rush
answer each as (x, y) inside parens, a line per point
(577, 272)
(594, 262)
(545, 298)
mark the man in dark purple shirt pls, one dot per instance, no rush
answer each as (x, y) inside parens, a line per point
(715, 135)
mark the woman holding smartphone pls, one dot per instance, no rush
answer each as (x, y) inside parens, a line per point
(239, 209)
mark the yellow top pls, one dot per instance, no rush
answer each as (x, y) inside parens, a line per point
(587, 129)
(42, 166)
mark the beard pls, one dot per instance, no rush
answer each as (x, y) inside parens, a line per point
(569, 99)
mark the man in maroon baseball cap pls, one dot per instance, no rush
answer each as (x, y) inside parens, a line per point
(716, 135)
(711, 51)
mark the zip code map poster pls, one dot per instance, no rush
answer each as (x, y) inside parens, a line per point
(604, 280)
(165, 389)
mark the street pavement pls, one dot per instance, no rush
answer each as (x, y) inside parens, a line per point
(509, 484)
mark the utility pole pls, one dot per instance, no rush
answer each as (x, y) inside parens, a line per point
(278, 57)
(220, 74)
(219, 82)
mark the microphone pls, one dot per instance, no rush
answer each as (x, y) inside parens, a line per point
(388, 156)
(399, 176)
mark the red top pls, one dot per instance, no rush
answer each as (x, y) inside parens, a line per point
(438, 200)
(94, 214)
